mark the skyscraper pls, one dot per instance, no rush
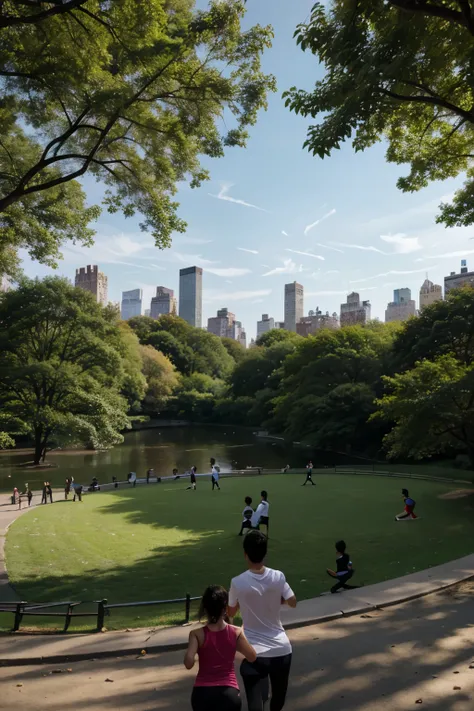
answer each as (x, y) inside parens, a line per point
(294, 305)
(163, 303)
(190, 295)
(223, 325)
(315, 321)
(266, 324)
(402, 306)
(354, 310)
(131, 304)
(429, 293)
(91, 279)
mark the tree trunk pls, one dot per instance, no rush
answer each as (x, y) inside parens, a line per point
(38, 445)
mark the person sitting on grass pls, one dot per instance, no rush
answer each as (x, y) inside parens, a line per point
(247, 514)
(409, 513)
(261, 514)
(216, 687)
(344, 571)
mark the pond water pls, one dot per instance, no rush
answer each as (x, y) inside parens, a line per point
(162, 450)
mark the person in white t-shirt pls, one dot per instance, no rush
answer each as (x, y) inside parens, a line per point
(259, 594)
(261, 514)
(215, 475)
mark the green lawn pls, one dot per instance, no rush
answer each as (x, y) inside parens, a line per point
(161, 541)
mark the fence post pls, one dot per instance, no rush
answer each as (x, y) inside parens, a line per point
(188, 607)
(18, 617)
(67, 621)
(101, 614)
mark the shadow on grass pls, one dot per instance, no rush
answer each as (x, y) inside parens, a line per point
(417, 651)
(211, 552)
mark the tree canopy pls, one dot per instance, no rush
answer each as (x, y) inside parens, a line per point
(63, 366)
(402, 70)
(133, 93)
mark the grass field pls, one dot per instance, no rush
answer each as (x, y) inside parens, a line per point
(161, 541)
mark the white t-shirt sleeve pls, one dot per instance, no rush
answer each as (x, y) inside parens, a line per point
(233, 598)
(256, 516)
(286, 592)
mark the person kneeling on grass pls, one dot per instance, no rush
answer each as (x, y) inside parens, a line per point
(247, 514)
(344, 571)
(409, 513)
(216, 687)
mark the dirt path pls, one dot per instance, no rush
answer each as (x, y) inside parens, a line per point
(384, 661)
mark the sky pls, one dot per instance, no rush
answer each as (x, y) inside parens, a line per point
(273, 214)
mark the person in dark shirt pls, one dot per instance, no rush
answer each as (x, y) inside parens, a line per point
(309, 474)
(247, 514)
(192, 475)
(344, 571)
(409, 513)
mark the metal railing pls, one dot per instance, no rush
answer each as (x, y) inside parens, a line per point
(21, 609)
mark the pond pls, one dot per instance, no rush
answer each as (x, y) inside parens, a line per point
(161, 449)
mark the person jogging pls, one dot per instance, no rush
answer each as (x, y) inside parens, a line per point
(409, 513)
(259, 593)
(216, 687)
(309, 474)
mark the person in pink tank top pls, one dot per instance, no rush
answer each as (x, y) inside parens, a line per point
(216, 687)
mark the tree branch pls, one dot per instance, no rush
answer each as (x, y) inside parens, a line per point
(431, 9)
(433, 100)
(57, 9)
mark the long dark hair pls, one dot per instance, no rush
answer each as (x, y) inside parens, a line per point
(213, 603)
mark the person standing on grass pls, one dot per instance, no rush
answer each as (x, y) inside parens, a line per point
(344, 571)
(258, 594)
(215, 471)
(49, 491)
(309, 474)
(192, 475)
(216, 687)
(261, 515)
(247, 514)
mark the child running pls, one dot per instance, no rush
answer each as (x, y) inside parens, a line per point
(410, 504)
(309, 474)
(216, 687)
(261, 514)
(344, 570)
(247, 514)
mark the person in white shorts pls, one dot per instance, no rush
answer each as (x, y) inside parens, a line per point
(259, 594)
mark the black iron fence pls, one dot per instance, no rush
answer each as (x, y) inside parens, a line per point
(102, 609)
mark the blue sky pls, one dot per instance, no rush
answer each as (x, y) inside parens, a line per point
(271, 205)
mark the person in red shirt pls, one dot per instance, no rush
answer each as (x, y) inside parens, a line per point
(216, 687)
(410, 504)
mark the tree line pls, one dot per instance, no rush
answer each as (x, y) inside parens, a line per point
(73, 374)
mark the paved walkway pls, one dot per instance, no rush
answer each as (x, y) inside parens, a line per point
(23, 649)
(387, 660)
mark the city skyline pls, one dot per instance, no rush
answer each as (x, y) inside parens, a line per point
(270, 216)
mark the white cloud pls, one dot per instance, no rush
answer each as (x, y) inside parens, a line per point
(289, 267)
(362, 247)
(194, 259)
(327, 246)
(305, 254)
(222, 195)
(250, 251)
(191, 240)
(446, 255)
(257, 301)
(266, 266)
(308, 228)
(333, 271)
(228, 271)
(229, 296)
(285, 233)
(402, 244)
(394, 272)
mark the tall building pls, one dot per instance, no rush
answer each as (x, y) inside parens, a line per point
(355, 311)
(147, 312)
(402, 306)
(223, 325)
(5, 284)
(190, 295)
(315, 321)
(91, 279)
(243, 338)
(131, 304)
(429, 293)
(266, 324)
(279, 324)
(163, 303)
(294, 305)
(455, 281)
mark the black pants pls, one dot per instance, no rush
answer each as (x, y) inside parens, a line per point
(216, 698)
(309, 477)
(215, 483)
(342, 581)
(255, 678)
